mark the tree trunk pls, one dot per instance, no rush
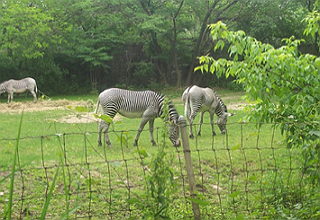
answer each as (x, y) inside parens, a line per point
(197, 48)
(156, 51)
(93, 79)
(174, 47)
(155, 47)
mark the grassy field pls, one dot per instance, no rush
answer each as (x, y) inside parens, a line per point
(248, 173)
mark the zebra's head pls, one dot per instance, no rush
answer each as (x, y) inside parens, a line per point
(222, 121)
(2, 88)
(169, 114)
(174, 133)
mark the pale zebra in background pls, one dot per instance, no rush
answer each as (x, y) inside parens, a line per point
(19, 86)
(146, 105)
(197, 99)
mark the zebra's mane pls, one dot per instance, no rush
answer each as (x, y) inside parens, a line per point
(220, 102)
(172, 111)
(221, 107)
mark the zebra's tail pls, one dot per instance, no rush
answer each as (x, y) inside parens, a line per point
(97, 106)
(41, 94)
(185, 94)
(186, 100)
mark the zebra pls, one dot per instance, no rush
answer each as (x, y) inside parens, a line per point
(197, 99)
(19, 86)
(147, 105)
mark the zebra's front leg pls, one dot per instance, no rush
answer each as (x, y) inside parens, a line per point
(200, 123)
(212, 124)
(10, 97)
(103, 127)
(142, 124)
(151, 127)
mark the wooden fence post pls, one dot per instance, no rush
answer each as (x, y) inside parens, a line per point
(187, 156)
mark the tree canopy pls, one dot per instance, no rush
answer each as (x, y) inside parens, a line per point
(80, 45)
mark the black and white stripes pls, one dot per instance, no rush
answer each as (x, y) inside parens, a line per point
(147, 105)
(197, 99)
(221, 107)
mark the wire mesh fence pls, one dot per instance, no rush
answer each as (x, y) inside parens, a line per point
(247, 172)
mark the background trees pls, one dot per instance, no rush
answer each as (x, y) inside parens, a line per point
(83, 45)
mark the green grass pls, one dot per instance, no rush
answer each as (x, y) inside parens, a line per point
(250, 173)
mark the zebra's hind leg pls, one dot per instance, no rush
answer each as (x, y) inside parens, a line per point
(195, 108)
(151, 126)
(191, 119)
(103, 127)
(34, 96)
(191, 129)
(142, 124)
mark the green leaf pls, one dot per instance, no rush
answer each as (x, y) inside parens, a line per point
(253, 178)
(82, 109)
(236, 147)
(105, 118)
(49, 196)
(143, 153)
(133, 201)
(234, 194)
(219, 45)
(316, 133)
(15, 161)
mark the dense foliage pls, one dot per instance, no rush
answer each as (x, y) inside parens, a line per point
(284, 83)
(79, 45)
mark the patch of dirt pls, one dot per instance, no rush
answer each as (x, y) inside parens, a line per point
(78, 118)
(87, 117)
(63, 104)
(238, 106)
(41, 105)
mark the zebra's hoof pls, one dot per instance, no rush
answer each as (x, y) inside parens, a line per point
(191, 136)
(214, 134)
(199, 134)
(100, 144)
(153, 143)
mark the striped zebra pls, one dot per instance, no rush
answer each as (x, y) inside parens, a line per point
(19, 86)
(197, 99)
(147, 105)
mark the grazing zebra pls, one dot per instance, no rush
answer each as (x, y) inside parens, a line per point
(19, 86)
(204, 100)
(147, 105)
